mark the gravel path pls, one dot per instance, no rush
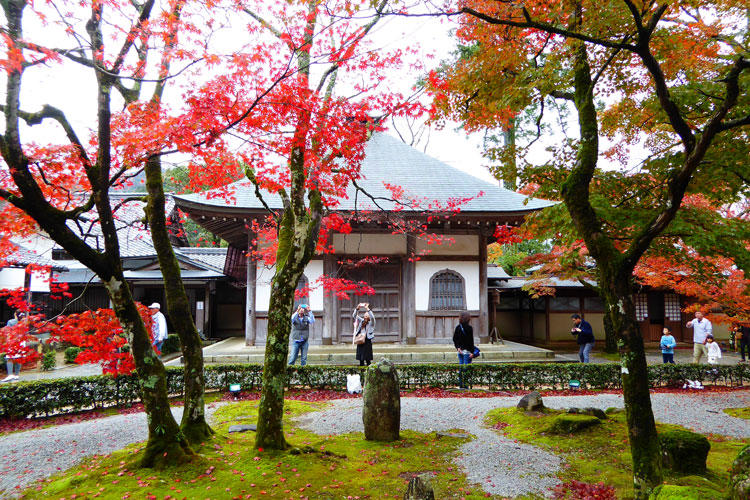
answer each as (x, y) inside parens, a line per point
(498, 464)
(504, 467)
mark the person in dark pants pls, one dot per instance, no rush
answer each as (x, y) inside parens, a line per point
(585, 337)
(301, 321)
(463, 341)
(364, 323)
(667, 344)
(742, 336)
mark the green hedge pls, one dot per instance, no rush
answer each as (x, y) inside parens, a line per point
(67, 395)
(171, 344)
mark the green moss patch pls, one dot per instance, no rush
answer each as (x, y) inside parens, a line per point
(602, 452)
(738, 412)
(321, 467)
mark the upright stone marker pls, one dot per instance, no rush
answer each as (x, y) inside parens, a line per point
(381, 414)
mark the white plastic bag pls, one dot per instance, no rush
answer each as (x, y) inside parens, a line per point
(353, 384)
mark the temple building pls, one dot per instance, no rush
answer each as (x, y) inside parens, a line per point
(416, 301)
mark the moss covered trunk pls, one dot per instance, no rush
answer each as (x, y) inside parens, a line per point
(166, 444)
(642, 435)
(270, 432)
(615, 279)
(193, 425)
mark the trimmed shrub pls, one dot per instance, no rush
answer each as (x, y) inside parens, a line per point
(684, 451)
(47, 397)
(171, 344)
(569, 423)
(71, 353)
(49, 360)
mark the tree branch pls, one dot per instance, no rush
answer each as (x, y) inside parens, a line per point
(548, 28)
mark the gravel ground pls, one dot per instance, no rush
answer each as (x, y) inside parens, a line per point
(506, 468)
(498, 464)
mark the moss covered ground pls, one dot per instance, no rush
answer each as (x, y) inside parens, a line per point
(320, 467)
(738, 412)
(602, 454)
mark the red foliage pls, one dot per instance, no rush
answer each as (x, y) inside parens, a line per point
(100, 335)
(577, 490)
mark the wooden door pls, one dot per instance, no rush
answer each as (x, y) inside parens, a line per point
(385, 304)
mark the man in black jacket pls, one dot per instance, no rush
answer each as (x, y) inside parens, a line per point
(585, 333)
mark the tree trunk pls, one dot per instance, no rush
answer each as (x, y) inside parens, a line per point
(610, 336)
(644, 441)
(615, 283)
(193, 425)
(166, 445)
(270, 433)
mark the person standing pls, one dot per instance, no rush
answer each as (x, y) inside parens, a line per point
(159, 326)
(713, 350)
(301, 321)
(15, 352)
(667, 344)
(584, 336)
(701, 329)
(364, 323)
(742, 338)
(463, 341)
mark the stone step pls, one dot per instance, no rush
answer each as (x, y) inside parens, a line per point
(396, 357)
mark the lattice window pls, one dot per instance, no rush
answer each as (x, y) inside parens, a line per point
(302, 293)
(447, 291)
(672, 307)
(641, 307)
(568, 304)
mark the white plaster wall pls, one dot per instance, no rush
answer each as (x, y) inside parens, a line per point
(12, 277)
(263, 285)
(313, 271)
(463, 244)
(370, 244)
(40, 282)
(425, 270)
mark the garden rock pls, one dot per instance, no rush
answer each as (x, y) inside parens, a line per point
(739, 476)
(570, 424)
(242, 428)
(419, 488)
(684, 451)
(531, 402)
(594, 412)
(381, 412)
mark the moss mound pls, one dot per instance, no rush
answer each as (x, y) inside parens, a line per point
(672, 492)
(684, 451)
(572, 423)
(739, 475)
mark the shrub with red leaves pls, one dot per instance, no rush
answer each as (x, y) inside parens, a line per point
(578, 490)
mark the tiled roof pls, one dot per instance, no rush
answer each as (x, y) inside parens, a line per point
(25, 257)
(134, 237)
(496, 273)
(211, 257)
(387, 159)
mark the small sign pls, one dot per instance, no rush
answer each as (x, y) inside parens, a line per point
(234, 387)
(199, 305)
(574, 384)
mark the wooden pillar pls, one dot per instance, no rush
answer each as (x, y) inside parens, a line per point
(484, 335)
(546, 316)
(27, 286)
(408, 295)
(329, 303)
(250, 315)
